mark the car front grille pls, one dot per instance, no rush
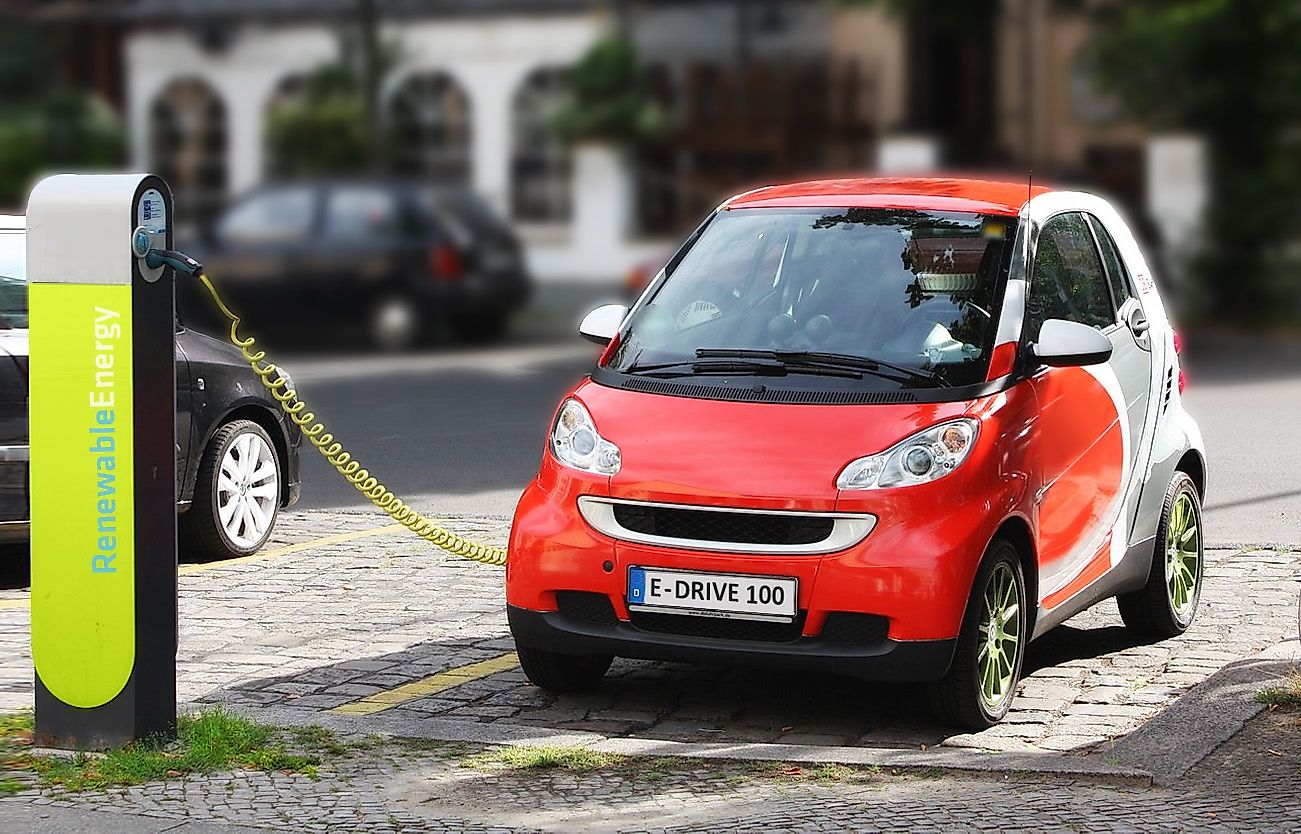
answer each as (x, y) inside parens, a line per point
(717, 628)
(723, 526)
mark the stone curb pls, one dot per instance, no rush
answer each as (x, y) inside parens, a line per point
(1211, 713)
(947, 759)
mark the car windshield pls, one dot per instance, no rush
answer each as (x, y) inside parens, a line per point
(914, 291)
(13, 280)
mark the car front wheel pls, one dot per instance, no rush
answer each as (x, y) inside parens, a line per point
(978, 689)
(236, 494)
(562, 672)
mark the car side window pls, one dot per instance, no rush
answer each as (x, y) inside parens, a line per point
(360, 214)
(280, 216)
(1117, 275)
(13, 280)
(1068, 281)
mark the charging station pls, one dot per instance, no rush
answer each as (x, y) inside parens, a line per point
(102, 411)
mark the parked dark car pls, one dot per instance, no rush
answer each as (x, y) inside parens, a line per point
(236, 452)
(397, 258)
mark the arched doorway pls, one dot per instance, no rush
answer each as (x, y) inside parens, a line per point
(188, 147)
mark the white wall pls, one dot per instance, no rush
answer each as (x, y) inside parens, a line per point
(489, 57)
(245, 76)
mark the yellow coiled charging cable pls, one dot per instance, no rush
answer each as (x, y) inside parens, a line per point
(342, 460)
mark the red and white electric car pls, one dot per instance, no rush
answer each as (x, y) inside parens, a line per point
(890, 428)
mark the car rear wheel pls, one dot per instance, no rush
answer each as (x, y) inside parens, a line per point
(236, 494)
(397, 323)
(978, 689)
(1166, 605)
(562, 672)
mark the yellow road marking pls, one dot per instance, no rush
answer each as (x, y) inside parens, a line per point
(425, 687)
(273, 553)
(186, 570)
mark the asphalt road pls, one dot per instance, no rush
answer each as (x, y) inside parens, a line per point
(461, 432)
(456, 432)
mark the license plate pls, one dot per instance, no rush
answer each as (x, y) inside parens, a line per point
(735, 596)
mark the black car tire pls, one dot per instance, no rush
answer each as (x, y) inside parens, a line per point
(562, 672)
(957, 699)
(1149, 611)
(202, 533)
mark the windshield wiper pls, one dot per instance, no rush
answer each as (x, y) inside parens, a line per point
(815, 359)
(760, 366)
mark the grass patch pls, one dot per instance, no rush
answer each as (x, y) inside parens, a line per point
(16, 727)
(571, 759)
(206, 742)
(581, 760)
(1288, 694)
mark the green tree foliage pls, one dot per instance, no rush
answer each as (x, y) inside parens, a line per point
(320, 130)
(46, 126)
(1231, 71)
(608, 99)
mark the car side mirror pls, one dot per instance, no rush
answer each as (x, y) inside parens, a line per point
(1069, 344)
(601, 325)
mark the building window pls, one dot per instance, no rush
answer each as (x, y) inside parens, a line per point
(429, 128)
(540, 161)
(188, 147)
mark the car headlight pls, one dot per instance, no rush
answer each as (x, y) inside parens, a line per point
(575, 441)
(923, 457)
(289, 380)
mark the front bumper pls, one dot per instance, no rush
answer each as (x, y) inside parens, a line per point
(913, 660)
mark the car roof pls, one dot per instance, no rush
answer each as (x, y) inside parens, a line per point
(925, 193)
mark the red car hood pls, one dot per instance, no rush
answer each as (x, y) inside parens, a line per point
(759, 455)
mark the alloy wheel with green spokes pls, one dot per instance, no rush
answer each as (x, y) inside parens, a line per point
(999, 637)
(1183, 556)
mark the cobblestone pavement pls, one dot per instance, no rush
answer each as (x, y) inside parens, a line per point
(391, 787)
(308, 629)
(318, 628)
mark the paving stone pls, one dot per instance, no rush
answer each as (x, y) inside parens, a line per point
(315, 629)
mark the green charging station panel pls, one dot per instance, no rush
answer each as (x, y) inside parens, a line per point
(103, 468)
(82, 491)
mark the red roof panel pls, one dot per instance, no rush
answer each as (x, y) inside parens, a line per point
(933, 193)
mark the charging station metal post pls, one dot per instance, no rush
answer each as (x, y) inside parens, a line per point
(102, 412)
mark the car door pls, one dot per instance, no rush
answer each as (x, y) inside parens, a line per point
(262, 256)
(365, 244)
(13, 381)
(1131, 358)
(1080, 441)
(184, 412)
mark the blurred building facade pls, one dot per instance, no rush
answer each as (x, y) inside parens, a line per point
(755, 91)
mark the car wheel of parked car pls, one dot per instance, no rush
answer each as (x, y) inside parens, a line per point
(236, 494)
(1166, 605)
(978, 689)
(396, 323)
(562, 672)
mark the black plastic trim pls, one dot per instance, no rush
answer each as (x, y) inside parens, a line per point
(1130, 575)
(794, 391)
(892, 660)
